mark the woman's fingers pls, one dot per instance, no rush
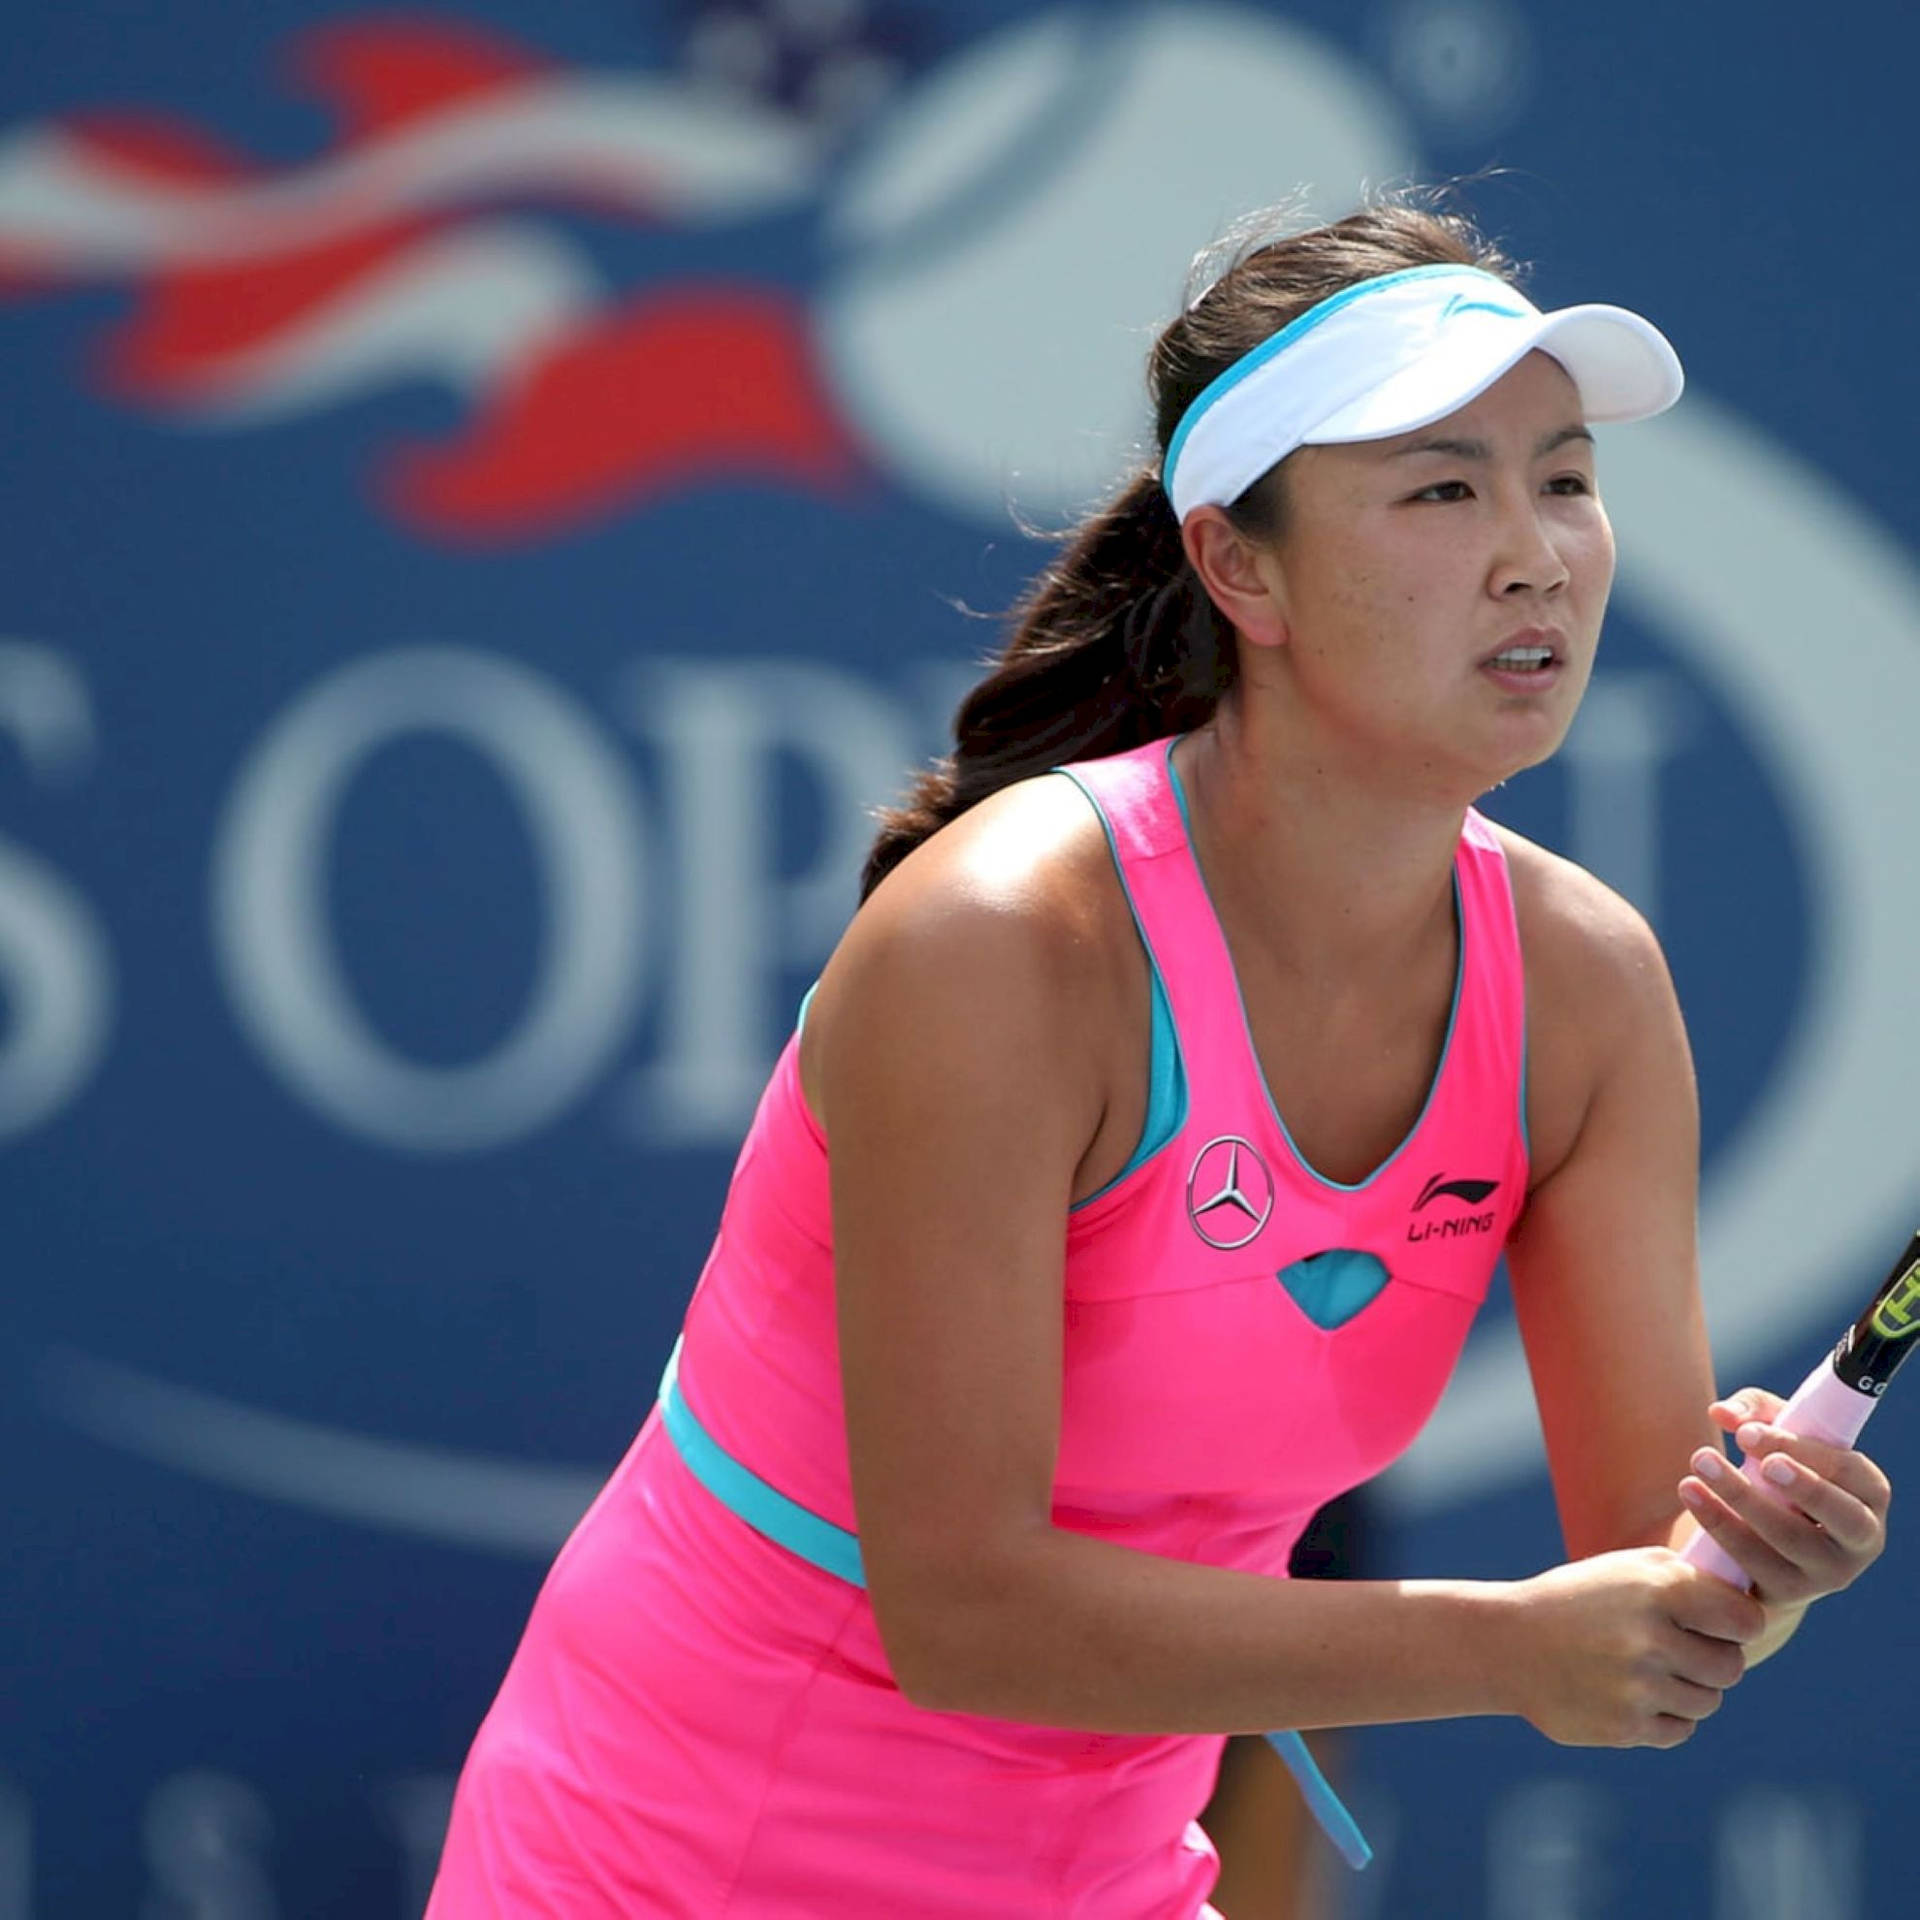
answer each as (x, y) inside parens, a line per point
(1750, 1403)
(1698, 1670)
(1683, 1700)
(1707, 1610)
(1841, 1490)
(1805, 1535)
(1821, 1520)
(1775, 1578)
(1630, 1648)
(1708, 1664)
(1724, 1504)
(1669, 1730)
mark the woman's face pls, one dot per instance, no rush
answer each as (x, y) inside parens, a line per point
(1440, 594)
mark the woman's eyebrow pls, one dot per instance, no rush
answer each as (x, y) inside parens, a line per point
(1459, 449)
(1479, 450)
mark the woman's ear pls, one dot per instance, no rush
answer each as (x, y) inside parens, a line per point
(1243, 578)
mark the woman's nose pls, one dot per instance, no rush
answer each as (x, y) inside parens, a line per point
(1528, 560)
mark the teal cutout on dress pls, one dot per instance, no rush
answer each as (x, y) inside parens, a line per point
(1331, 1287)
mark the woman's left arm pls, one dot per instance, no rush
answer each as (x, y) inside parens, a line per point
(1606, 1281)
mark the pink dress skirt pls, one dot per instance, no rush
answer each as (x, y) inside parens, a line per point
(698, 1723)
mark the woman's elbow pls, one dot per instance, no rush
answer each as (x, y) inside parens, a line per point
(946, 1625)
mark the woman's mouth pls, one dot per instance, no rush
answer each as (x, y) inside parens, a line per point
(1522, 659)
(1528, 664)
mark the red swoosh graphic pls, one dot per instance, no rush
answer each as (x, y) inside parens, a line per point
(380, 74)
(700, 384)
(145, 146)
(154, 146)
(185, 323)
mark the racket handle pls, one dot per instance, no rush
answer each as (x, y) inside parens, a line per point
(1824, 1407)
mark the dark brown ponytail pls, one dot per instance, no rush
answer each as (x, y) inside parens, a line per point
(1117, 642)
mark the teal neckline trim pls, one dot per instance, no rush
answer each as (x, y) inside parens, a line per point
(1526, 1140)
(1166, 1071)
(1305, 1165)
(1251, 363)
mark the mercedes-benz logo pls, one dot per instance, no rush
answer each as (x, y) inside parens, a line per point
(1229, 1192)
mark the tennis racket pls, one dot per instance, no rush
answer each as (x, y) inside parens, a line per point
(1832, 1403)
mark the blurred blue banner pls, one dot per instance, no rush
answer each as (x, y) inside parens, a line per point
(493, 495)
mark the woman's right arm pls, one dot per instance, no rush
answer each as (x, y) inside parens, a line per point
(959, 1070)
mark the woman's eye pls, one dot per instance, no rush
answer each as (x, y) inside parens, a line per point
(1570, 483)
(1446, 490)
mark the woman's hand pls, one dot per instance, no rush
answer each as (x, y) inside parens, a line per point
(1628, 1649)
(1818, 1525)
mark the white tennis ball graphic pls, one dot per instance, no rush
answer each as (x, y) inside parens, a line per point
(1016, 230)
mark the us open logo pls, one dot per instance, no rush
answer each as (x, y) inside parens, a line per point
(1229, 1192)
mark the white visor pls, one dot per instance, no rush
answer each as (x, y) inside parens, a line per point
(1389, 355)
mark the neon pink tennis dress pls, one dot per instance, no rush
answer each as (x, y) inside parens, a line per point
(699, 1722)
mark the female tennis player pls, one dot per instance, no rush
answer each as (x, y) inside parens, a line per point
(1136, 1172)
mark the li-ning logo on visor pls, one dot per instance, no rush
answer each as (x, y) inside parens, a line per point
(1461, 304)
(1229, 1192)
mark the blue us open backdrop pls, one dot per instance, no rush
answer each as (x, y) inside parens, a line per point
(490, 498)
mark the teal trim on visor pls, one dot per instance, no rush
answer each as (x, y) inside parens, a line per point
(1278, 343)
(1459, 304)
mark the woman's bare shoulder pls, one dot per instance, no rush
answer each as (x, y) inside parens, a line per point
(1009, 921)
(1599, 995)
(1578, 935)
(1027, 868)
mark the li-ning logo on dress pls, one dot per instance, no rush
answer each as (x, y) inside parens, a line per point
(1440, 1187)
(1229, 1192)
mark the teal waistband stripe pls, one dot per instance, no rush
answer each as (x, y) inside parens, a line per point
(765, 1509)
(1325, 1805)
(834, 1550)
